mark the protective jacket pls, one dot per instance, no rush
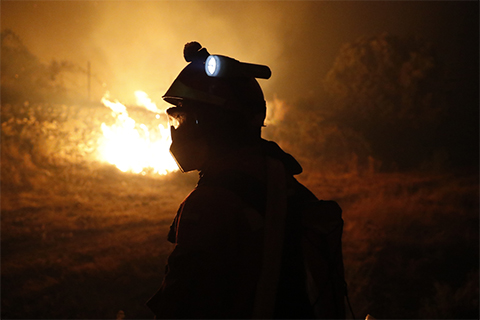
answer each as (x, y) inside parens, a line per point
(218, 232)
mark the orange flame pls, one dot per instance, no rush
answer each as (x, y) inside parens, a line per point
(133, 147)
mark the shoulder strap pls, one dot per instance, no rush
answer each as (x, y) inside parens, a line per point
(250, 189)
(276, 212)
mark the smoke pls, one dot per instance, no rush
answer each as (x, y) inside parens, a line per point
(276, 111)
(141, 43)
(137, 45)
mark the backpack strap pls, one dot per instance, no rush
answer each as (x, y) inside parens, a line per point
(276, 212)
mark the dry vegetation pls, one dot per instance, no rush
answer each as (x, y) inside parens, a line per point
(410, 243)
(85, 242)
(81, 239)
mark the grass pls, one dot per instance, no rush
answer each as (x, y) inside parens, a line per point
(88, 247)
(88, 242)
(410, 243)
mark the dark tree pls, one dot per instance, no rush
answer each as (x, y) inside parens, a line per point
(390, 90)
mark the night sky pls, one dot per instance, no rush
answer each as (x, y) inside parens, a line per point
(136, 45)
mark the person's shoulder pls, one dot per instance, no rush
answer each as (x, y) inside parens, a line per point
(299, 193)
(210, 203)
(209, 195)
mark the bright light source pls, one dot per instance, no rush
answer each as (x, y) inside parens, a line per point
(221, 66)
(212, 66)
(134, 147)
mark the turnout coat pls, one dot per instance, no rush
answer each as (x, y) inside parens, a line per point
(218, 260)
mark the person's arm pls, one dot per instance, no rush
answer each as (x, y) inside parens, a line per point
(201, 269)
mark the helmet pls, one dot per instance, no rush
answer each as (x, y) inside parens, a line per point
(240, 94)
(213, 113)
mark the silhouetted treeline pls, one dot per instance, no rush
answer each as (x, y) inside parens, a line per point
(388, 103)
(402, 98)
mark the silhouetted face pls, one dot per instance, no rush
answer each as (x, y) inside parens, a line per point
(201, 132)
(189, 145)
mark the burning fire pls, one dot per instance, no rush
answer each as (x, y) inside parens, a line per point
(133, 147)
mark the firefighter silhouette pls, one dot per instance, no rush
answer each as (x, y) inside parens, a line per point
(236, 253)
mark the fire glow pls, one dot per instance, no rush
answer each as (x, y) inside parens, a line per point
(133, 147)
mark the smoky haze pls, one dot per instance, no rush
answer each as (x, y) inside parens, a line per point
(137, 45)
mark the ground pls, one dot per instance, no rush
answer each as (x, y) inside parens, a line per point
(86, 241)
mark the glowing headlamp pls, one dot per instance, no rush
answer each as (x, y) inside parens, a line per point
(222, 66)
